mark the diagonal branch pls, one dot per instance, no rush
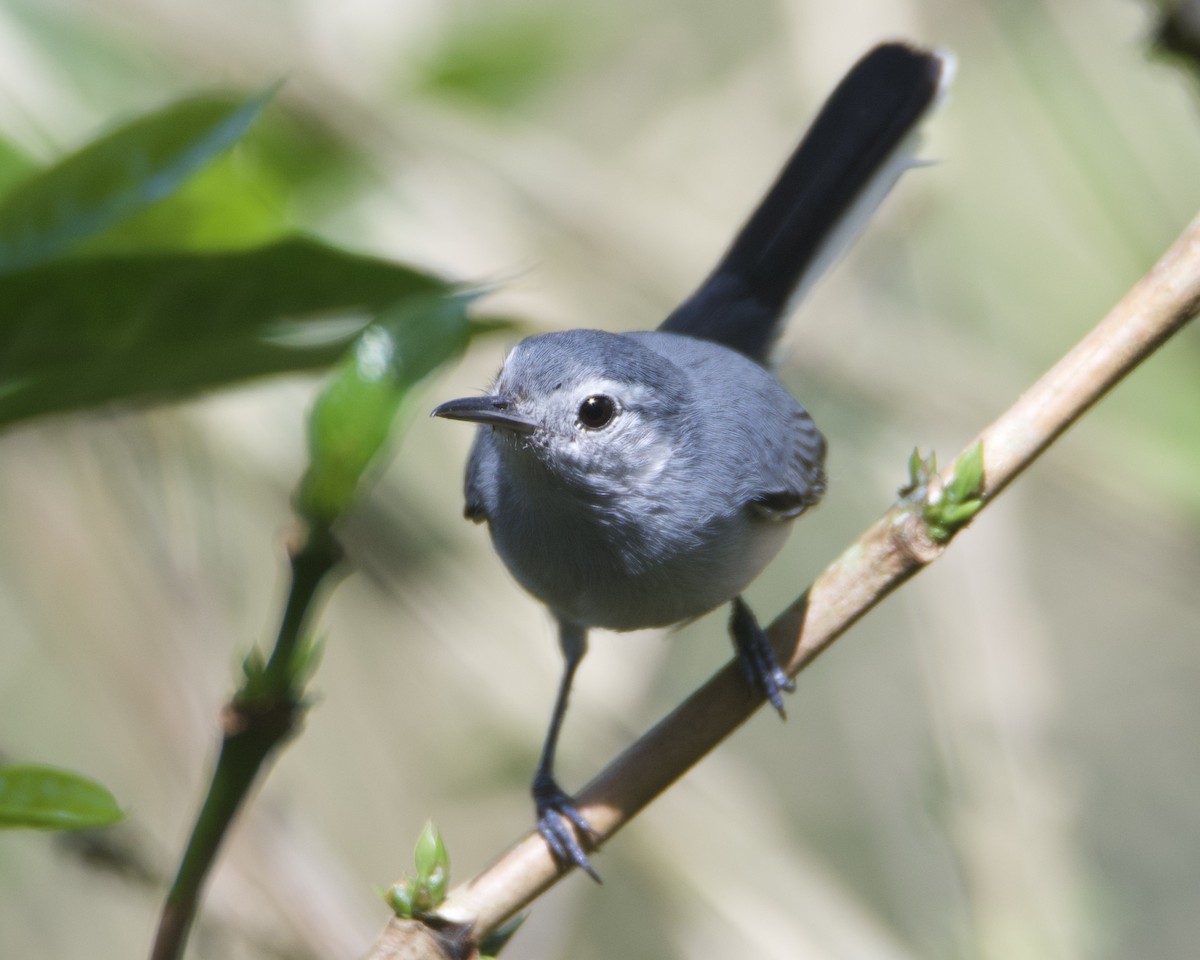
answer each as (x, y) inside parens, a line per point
(885, 556)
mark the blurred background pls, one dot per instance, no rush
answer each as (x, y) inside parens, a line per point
(1001, 761)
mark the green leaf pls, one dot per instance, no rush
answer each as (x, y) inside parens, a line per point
(430, 855)
(959, 500)
(245, 197)
(14, 165)
(433, 870)
(45, 798)
(55, 210)
(359, 411)
(306, 660)
(498, 60)
(254, 665)
(915, 463)
(968, 475)
(491, 945)
(229, 205)
(399, 897)
(919, 471)
(422, 895)
(82, 332)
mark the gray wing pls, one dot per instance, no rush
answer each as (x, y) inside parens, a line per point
(794, 477)
(479, 485)
(771, 454)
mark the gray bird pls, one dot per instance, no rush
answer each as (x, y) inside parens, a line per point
(635, 480)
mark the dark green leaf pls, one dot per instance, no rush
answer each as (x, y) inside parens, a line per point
(48, 799)
(254, 665)
(82, 332)
(53, 211)
(491, 945)
(14, 165)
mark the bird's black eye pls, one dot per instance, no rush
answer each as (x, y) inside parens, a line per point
(597, 411)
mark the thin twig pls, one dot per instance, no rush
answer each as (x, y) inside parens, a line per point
(261, 716)
(884, 557)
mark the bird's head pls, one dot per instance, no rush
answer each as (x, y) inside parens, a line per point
(590, 407)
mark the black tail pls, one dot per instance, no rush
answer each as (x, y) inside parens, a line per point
(846, 163)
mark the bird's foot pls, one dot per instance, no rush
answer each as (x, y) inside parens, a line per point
(561, 825)
(757, 657)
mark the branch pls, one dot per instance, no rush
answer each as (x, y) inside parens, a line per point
(264, 713)
(897, 546)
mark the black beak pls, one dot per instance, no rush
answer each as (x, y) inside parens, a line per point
(495, 411)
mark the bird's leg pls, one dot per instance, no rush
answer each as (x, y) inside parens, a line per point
(757, 657)
(559, 822)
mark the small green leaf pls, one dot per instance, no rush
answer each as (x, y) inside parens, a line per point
(919, 472)
(306, 659)
(914, 467)
(959, 500)
(358, 413)
(55, 210)
(399, 897)
(968, 475)
(254, 666)
(428, 849)
(955, 515)
(46, 798)
(497, 940)
(433, 869)
(420, 896)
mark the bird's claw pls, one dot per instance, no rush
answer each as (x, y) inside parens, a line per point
(757, 657)
(562, 825)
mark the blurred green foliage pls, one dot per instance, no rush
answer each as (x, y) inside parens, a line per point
(149, 263)
(152, 263)
(14, 165)
(92, 330)
(497, 60)
(46, 798)
(360, 408)
(55, 210)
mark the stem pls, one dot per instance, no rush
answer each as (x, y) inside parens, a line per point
(895, 548)
(261, 715)
(317, 556)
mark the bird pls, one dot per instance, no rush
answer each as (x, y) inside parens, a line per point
(642, 479)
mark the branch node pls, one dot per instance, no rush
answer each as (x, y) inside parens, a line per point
(431, 937)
